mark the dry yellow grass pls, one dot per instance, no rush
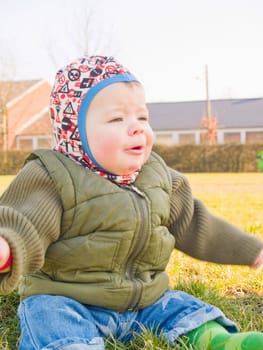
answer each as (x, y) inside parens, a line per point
(5, 181)
(238, 199)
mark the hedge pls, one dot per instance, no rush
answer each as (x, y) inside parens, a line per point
(212, 158)
(187, 158)
(12, 161)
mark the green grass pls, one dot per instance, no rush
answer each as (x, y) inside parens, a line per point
(238, 291)
(4, 181)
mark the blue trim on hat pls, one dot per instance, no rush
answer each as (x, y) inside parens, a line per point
(92, 92)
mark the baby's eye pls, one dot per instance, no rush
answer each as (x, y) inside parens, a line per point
(144, 117)
(116, 119)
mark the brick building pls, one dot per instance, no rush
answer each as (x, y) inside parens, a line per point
(28, 124)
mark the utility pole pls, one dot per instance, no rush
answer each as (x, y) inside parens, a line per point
(208, 102)
(209, 123)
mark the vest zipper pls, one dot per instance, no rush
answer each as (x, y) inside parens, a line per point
(142, 235)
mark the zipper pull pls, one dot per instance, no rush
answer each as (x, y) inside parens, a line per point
(134, 189)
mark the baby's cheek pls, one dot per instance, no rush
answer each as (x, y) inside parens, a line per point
(106, 148)
(150, 136)
(111, 145)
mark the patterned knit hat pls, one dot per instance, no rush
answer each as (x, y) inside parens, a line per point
(74, 88)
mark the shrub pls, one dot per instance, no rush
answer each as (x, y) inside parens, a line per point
(214, 158)
(184, 158)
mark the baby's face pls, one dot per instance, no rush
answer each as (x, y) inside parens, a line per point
(118, 131)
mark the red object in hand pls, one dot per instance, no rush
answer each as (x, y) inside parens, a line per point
(259, 261)
(7, 263)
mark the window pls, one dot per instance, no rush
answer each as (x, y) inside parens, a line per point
(25, 144)
(254, 137)
(186, 139)
(166, 139)
(44, 142)
(232, 137)
(33, 142)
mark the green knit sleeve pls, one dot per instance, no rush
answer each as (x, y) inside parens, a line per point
(30, 217)
(204, 236)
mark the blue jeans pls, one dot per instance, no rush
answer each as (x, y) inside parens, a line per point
(58, 323)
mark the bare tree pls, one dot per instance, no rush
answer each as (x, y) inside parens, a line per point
(88, 31)
(6, 86)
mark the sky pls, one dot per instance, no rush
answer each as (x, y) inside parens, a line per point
(167, 44)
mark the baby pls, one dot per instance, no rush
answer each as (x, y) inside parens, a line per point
(87, 229)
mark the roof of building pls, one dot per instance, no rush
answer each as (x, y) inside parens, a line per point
(231, 113)
(13, 89)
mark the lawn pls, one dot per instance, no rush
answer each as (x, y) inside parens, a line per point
(236, 290)
(4, 181)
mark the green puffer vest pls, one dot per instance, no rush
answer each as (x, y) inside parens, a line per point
(114, 243)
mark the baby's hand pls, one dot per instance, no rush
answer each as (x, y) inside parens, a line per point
(259, 260)
(5, 256)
